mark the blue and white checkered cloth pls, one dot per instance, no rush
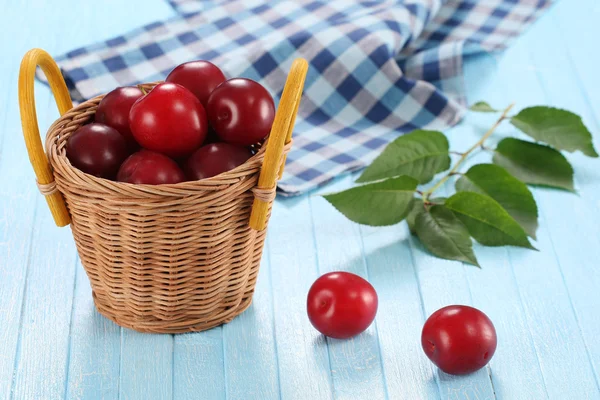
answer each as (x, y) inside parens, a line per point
(377, 68)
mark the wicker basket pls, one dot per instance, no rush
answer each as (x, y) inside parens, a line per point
(168, 258)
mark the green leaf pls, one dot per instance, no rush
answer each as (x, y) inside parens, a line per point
(444, 235)
(561, 129)
(420, 154)
(534, 163)
(487, 221)
(512, 194)
(377, 204)
(415, 208)
(482, 106)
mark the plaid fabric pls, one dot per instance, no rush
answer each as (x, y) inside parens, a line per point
(377, 68)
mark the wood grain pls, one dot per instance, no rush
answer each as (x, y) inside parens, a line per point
(493, 287)
(573, 86)
(538, 273)
(304, 366)
(16, 224)
(408, 372)
(249, 346)
(46, 314)
(544, 304)
(198, 366)
(95, 342)
(356, 365)
(443, 283)
(146, 370)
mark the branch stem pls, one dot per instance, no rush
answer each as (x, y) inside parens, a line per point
(464, 155)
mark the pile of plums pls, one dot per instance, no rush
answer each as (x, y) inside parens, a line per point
(195, 125)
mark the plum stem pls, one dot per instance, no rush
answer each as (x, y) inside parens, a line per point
(464, 156)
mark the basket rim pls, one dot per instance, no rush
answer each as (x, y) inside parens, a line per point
(60, 161)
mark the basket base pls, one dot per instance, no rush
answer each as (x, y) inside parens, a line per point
(188, 325)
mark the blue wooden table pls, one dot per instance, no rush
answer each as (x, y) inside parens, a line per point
(545, 305)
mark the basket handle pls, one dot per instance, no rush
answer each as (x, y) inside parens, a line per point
(281, 134)
(31, 131)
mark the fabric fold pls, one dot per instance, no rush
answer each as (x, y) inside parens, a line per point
(378, 69)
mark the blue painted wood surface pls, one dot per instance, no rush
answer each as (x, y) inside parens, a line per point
(545, 304)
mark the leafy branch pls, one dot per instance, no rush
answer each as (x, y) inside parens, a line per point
(492, 203)
(464, 155)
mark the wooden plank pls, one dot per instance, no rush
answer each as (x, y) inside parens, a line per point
(146, 366)
(16, 222)
(47, 300)
(304, 369)
(355, 363)
(576, 25)
(15, 238)
(245, 348)
(550, 319)
(444, 283)
(400, 317)
(556, 78)
(198, 366)
(46, 315)
(249, 346)
(18, 197)
(515, 369)
(95, 347)
(47, 307)
(574, 251)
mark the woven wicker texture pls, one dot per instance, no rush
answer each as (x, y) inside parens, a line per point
(168, 258)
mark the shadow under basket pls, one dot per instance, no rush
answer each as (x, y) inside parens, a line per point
(167, 258)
